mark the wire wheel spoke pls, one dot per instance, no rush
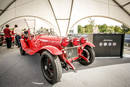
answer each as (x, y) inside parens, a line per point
(48, 68)
(86, 54)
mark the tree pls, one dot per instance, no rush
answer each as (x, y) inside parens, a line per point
(128, 32)
(110, 29)
(102, 28)
(91, 22)
(79, 29)
(89, 29)
(125, 29)
(117, 29)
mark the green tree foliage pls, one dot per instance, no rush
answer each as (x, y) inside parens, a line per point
(87, 28)
(104, 28)
(128, 32)
(79, 29)
(125, 29)
(109, 29)
(117, 29)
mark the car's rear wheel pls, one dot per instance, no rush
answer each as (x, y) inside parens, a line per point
(89, 53)
(22, 52)
(1, 42)
(51, 67)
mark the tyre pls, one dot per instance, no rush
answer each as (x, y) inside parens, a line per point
(51, 67)
(22, 52)
(1, 42)
(89, 53)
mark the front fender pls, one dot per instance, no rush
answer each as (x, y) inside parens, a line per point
(88, 44)
(53, 50)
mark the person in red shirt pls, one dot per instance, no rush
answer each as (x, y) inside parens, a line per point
(8, 38)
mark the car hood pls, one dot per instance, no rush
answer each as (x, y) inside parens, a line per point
(51, 38)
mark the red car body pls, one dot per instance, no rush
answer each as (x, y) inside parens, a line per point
(51, 44)
(62, 47)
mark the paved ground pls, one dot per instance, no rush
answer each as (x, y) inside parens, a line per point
(127, 50)
(24, 71)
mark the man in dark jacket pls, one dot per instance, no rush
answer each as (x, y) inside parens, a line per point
(8, 38)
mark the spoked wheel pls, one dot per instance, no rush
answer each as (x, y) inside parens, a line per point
(51, 67)
(22, 52)
(89, 54)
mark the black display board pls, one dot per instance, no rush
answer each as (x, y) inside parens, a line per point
(108, 45)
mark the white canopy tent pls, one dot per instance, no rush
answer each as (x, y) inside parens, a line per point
(62, 15)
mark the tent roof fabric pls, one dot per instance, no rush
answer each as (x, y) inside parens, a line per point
(4, 4)
(63, 14)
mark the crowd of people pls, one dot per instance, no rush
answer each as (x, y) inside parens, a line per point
(12, 35)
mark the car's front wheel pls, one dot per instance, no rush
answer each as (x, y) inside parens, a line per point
(22, 52)
(89, 53)
(51, 67)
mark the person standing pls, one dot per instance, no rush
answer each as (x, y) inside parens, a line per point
(8, 38)
(17, 35)
(12, 36)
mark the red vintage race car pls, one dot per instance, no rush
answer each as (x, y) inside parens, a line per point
(57, 53)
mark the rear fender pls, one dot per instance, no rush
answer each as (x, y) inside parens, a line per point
(88, 44)
(53, 50)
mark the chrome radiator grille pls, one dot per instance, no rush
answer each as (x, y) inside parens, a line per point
(71, 52)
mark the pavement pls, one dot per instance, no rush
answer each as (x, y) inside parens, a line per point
(126, 51)
(25, 71)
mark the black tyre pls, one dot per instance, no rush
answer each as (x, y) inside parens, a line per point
(22, 52)
(1, 42)
(89, 54)
(51, 67)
